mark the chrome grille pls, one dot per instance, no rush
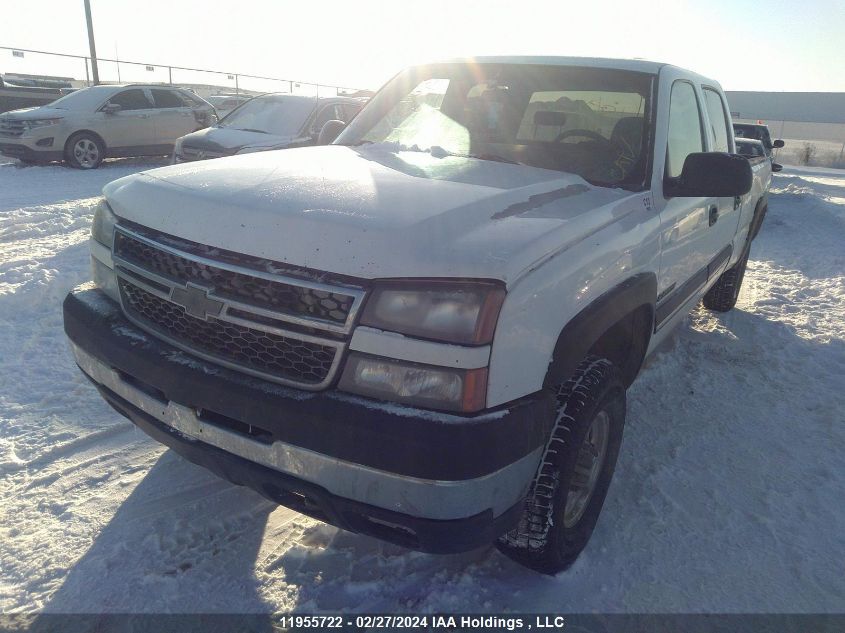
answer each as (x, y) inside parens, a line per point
(284, 329)
(280, 356)
(269, 294)
(11, 127)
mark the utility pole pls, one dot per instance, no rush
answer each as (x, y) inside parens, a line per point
(94, 69)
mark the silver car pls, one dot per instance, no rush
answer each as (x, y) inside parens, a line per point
(267, 122)
(91, 124)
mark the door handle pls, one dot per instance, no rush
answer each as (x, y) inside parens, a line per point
(713, 215)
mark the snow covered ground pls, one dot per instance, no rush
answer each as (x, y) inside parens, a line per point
(729, 495)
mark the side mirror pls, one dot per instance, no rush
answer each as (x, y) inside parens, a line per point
(711, 175)
(777, 144)
(112, 108)
(331, 130)
(776, 167)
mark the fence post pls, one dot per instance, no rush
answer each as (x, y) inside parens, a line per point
(87, 76)
(237, 89)
(170, 75)
(94, 69)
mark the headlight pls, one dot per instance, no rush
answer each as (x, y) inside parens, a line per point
(102, 228)
(415, 384)
(105, 279)
(450, 311)
(34, 123)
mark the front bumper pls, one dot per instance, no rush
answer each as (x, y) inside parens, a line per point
(433, 482)
(26, 152)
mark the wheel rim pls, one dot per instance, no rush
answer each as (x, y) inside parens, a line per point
(588, 465)
(86, 152)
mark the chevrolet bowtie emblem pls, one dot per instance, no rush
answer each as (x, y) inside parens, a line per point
(196, 301)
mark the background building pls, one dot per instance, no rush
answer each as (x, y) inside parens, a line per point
(812, 124)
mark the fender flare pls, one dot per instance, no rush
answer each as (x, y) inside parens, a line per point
(582, 332)
(757, 219)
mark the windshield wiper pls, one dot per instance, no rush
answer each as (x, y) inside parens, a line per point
(493, 157)
(249, 129)
(440, 152)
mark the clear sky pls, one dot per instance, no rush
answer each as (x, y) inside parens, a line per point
(745, 44)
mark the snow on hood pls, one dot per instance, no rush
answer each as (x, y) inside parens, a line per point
(369, 212)
(37, 112)
(230, 139)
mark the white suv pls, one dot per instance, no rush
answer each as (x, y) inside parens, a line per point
(91, 124)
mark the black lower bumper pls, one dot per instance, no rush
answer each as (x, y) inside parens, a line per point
(22, 152)
(427, 535)
(390, 439)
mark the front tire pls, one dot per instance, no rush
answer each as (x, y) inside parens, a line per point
(568, 491)
(723, 295)
(84, 151)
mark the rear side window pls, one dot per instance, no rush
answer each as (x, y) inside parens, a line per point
(133, 99)
(166, 99)
(718, 120)
(684, 128)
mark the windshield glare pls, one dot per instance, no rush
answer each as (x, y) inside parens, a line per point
(281, 116)
(587, 121)
(64, 103)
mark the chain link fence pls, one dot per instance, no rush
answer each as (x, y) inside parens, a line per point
(26, 68)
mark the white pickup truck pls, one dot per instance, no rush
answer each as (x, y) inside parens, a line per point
(424, 330)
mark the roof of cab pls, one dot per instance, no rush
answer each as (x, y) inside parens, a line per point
(637, 65)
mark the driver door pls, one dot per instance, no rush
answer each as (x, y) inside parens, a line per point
(684, 222)
(130, 127)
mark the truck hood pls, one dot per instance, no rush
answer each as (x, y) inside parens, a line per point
(37, 112)
(371, 212)
(230, 140)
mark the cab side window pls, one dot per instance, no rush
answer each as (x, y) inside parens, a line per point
(133, 99)
(685, 128)
(718, 120)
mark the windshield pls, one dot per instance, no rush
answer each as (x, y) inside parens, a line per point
(83, 99)
(748, 149)
(282, 115)
(756, 132)
(591, 122)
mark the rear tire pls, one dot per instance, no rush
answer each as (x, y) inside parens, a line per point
(723, 295)
(566, 497)
(84, 151)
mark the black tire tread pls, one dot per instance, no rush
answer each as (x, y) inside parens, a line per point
(529, 542)
(723, 295)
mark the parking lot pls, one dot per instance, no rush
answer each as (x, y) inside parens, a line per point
(731, 470)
